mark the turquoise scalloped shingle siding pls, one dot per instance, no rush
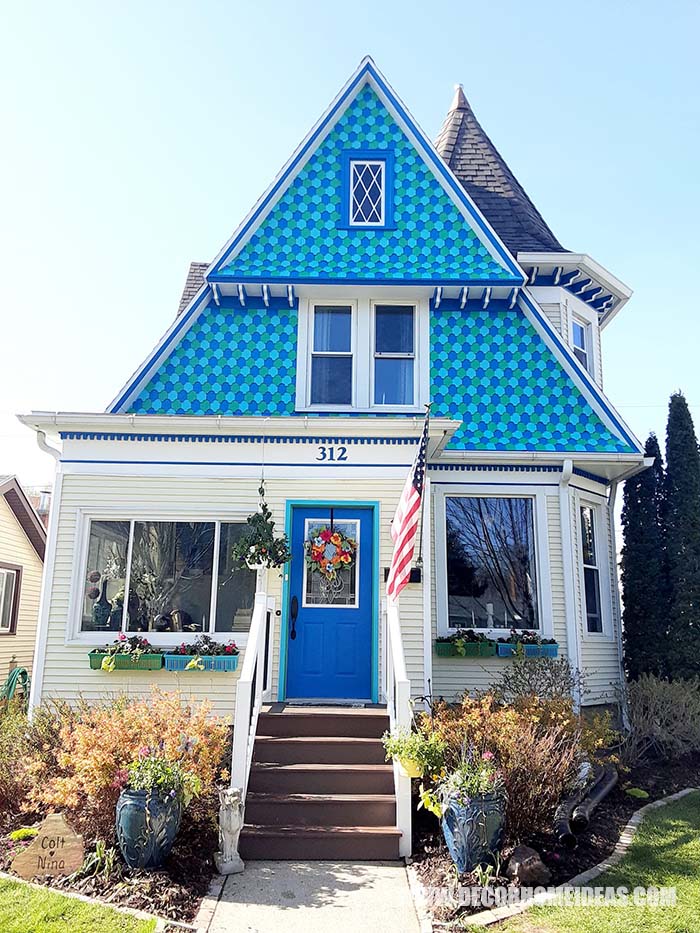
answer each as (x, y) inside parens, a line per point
(302, 236)
(492, 370)
(230, 362)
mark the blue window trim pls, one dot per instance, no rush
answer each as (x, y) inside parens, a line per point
(375, 155)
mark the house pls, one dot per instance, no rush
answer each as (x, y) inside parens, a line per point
(380, 272)
(22, 545)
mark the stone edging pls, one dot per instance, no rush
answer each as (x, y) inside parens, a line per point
(205, 914)
(495, 915)
(161, 922)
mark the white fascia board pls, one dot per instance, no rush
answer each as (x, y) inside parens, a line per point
(589, 267)
(283, 425)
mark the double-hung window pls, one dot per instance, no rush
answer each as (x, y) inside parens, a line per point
(580, 334)
(10, 577)
(331, 355)
(394, 354)
(491, 566)
(591, 570)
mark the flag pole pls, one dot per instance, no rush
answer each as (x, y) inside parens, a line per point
(419, 559)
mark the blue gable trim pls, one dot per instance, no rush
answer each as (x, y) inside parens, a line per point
(366, 74)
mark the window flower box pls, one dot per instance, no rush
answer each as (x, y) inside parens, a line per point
(445, 649)
(218, 663)
(476, 649)
(507, 650)
(125, 662)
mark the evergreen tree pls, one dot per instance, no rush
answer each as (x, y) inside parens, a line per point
(644, 589)
(683, 538)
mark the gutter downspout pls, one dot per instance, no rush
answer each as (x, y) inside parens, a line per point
(573, 645)
(617, 608)
(46, 577)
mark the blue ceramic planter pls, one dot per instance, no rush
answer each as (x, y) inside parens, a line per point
(146, 827)
(473, 832)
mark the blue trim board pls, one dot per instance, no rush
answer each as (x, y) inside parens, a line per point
(367, 70)
(377, 155)
(330, 280)
(575, 369)
(235, 438)
(255, 463)
(315, 503)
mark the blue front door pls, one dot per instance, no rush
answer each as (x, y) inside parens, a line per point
(329, 624)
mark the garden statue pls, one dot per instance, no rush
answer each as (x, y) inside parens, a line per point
(227, 859)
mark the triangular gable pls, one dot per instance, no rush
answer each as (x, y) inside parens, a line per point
(494, 370)
(297, 234)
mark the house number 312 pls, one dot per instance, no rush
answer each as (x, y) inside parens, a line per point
(332, 453)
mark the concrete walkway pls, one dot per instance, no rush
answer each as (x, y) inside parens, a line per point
(306, 897)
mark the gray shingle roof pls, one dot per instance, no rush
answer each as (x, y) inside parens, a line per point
(490, 183)
(195, 277)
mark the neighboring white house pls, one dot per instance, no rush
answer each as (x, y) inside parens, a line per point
(22, 544)
(378, 273)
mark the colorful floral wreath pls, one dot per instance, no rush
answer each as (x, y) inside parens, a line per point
(329, 550)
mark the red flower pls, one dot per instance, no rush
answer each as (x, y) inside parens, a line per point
(325, 535)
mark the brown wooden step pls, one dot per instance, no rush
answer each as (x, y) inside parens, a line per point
(270, 778)
(314, 843)
(320, 809)
(307, 721)
(319, 749)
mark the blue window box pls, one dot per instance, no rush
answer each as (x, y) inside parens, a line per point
(217, 663)
(530, 651)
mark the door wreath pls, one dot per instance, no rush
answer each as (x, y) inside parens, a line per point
(329, 551)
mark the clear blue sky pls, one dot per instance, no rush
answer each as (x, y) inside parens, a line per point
(135, 135)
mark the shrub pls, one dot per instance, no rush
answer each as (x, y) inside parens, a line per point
(545, 678)
(98, 747)
(27, 748)
(664, 718)
(538, 755)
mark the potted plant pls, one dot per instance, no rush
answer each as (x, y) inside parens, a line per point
(127, 654)
(204, 654)
(258, 546)
(150, 808)
(416, 753)
(527, 643)
(470, 801)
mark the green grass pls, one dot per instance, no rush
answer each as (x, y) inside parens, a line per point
(664, 853)
(25, 909)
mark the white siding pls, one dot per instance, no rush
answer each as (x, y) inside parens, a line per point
(15, 548)
(66, 670)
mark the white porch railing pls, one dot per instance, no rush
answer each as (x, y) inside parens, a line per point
(398, 700)
(250, 690)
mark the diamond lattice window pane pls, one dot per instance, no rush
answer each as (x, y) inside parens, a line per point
(367, 193)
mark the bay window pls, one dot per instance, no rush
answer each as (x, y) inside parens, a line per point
(491, 565)
(165, 577)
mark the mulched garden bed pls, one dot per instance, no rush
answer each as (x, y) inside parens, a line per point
(436, 869)
(175, 892)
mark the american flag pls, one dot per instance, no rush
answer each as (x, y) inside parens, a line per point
(404, 527)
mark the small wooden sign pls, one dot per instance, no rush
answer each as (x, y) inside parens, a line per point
(56, 851)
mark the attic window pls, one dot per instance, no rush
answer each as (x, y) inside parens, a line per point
(367, 186)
